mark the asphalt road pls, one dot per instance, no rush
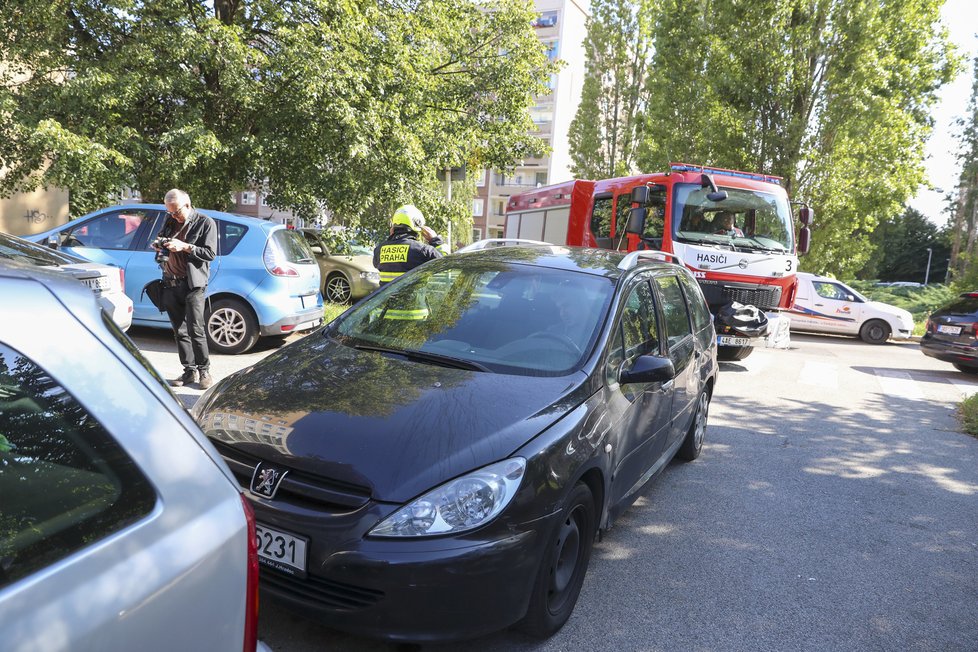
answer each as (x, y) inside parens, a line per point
(835, 507)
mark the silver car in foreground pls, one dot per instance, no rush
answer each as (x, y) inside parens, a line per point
(120, 526)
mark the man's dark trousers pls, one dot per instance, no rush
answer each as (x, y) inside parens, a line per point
(185, 307)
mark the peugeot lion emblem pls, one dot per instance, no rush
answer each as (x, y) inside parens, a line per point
(265, 480)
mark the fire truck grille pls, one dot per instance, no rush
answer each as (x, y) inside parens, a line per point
(764, 298)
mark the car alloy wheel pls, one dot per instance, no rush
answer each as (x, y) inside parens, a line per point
(693, 443)
(230, 327)
(337, 289)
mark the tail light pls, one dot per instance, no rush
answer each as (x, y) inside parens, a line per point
(929, 326)
(251, 586)
(974, 330)
(276, 262)
(122, 280)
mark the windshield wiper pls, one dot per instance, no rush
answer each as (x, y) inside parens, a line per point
(425, 356)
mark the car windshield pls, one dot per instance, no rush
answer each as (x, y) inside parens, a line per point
(28, 252)
(746, 219)
(494, 316)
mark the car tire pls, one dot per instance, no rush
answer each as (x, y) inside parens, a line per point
(231, 327)
(965, 369)
(693, 443)
(875, 331)
(564, 564)
(337, 289)
(731, 353)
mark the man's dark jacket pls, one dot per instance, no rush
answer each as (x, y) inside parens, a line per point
(202, 237)
(403, 252)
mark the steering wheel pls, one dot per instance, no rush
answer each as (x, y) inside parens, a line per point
(560, 338)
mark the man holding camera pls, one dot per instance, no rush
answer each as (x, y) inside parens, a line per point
(186, 245)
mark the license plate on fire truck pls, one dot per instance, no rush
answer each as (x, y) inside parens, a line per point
(730, 340)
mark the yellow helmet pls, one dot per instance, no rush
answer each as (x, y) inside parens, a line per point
(409, 216)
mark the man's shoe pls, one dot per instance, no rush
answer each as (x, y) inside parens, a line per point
(205, 380)
(189, 376)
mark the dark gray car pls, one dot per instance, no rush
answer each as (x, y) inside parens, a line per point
(460, 436)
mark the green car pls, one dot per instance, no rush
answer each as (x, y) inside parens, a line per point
(347, 273)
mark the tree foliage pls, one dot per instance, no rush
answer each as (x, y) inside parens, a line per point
(832, 95)
(900, 245)
(964, 226)
(606, 131)
(350, 106)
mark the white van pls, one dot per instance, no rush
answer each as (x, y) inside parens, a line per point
(825, 305)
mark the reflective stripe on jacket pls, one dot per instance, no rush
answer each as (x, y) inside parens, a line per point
(401, 253)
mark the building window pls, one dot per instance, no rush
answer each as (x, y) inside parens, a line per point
(550, 47)
(499, 207)
(476, 235)
(477, 207)
(481, 180)
(248, 198)
(264, 200)
(546, 19)
(541, 179)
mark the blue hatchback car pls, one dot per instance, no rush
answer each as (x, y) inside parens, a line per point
(264, 281)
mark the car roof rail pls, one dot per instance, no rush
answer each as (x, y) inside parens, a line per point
(632, 259)
(500, 242)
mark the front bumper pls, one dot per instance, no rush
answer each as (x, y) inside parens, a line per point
(361, 287)
(436, 589)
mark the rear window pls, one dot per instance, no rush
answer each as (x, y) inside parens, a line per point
(293, 246)
(64, 481)
(963, 306)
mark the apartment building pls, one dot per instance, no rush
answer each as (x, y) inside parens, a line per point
(561, 26)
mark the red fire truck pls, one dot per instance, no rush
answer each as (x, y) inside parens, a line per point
(733, 230)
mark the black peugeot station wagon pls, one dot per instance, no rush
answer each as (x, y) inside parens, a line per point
(435, 464)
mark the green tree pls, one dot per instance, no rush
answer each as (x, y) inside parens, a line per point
(832, 95)
(606, 131)
(351, 106)
(900, 245)
(964, 226)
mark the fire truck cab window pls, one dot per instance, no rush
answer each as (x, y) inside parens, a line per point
(601, 221)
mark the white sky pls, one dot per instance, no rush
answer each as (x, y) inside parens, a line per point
(961, 18)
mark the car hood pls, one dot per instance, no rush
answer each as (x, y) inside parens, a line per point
(887, 309)
(393, 427)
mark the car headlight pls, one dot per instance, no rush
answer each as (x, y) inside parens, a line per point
(463, 504)
(370, 276)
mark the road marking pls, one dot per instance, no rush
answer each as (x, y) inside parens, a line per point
(898, 384)
(822, 374)
(966, 389)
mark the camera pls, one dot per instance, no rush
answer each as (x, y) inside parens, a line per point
(162, 253)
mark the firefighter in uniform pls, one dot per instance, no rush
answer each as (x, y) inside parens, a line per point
(404, 249)
(402, 252)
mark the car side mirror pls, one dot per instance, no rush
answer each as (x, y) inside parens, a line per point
(316, 249)
(648, 369)
(54, 241)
